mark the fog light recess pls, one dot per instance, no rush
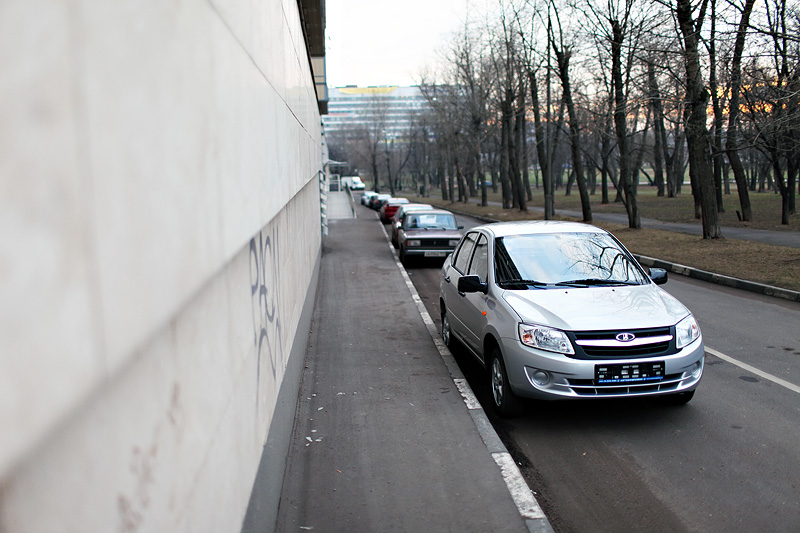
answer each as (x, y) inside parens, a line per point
(540, 377)
(698, 369)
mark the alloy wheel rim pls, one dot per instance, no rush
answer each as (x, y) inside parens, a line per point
(497, 382)
(445, 329)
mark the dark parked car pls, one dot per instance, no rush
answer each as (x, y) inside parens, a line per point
(433, 233)
(366, 195)
(377, 201)
(397, 219)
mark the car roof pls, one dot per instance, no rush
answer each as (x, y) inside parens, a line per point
(412, 207)
(398, 201)
(534, 227)
(428, 212)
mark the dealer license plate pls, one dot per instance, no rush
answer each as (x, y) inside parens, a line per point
(629, 372)
(435, 254)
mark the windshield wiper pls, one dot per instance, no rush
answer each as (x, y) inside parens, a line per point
(595, 281)
(516, 281)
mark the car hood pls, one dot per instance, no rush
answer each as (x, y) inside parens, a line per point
(433, 233)
(597, 308)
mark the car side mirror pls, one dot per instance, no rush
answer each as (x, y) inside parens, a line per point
(472, 284)
(461, 227)
(658, 275)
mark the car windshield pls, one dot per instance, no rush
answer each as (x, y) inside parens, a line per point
(563, 260)
(430, 221)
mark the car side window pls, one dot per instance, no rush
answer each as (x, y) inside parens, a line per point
(480, 259)
(464, 252)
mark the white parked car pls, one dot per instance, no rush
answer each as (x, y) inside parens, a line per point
(354, 183)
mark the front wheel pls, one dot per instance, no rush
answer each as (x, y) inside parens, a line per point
(446, 333)
(506, 403)
(403, 256)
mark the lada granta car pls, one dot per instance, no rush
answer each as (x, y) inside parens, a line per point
(561, 310)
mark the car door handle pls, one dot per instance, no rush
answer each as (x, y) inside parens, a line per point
(447, 279)
(462, 293)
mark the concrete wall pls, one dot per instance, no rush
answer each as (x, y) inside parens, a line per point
(159, 241)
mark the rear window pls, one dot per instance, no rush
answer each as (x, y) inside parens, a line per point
(431, 221)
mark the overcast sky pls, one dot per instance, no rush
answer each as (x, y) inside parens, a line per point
(386, 42)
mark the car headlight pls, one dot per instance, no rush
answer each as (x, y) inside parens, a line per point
(686, 332)
(452, 242)
(414, 243)
(552, 340)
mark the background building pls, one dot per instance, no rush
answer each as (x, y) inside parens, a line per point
(393, 109)
(160, 171)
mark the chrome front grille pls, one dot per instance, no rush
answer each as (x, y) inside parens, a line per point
(653, 342)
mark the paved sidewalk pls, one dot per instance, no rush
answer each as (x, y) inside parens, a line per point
(383, 439)
(339, 205)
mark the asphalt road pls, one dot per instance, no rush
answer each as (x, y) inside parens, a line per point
(728, 461)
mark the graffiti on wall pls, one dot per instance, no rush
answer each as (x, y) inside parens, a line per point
(265, 301)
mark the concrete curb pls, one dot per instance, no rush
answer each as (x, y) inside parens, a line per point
(736, 283)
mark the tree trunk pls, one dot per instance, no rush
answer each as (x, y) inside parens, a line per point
(562, 58)
(658, 128)
(516, 153)
(697, 137)
(732, 142)
(541, 148)
(717, 153)
(504, 160)
(374, 161)
(621, 127)
(442, 175)
(523, 148)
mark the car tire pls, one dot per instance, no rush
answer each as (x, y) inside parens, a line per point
(506, 404)
(679, 398)
(403, 256)
(447, 333)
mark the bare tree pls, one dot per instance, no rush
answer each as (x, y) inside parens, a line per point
(697, 135)
(773, 101)
(563, 54)
(732, 140)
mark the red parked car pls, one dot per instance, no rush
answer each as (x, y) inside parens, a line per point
(389, 208)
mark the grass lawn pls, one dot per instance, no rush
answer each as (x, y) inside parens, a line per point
(761, 263)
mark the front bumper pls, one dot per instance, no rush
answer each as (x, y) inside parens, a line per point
(575, 378)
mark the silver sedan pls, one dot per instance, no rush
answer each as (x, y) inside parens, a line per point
(561, 310)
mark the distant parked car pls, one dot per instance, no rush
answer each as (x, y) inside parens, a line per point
(433, 233)
(366, 196)
(377, 201)
(397, 219)
(389, 208)
(561, 310)
(353, 183)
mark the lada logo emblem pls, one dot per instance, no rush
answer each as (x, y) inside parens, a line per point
(625, 337)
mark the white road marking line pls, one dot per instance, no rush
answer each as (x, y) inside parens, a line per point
(520, 493)
(782, 382)
(466, 393)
